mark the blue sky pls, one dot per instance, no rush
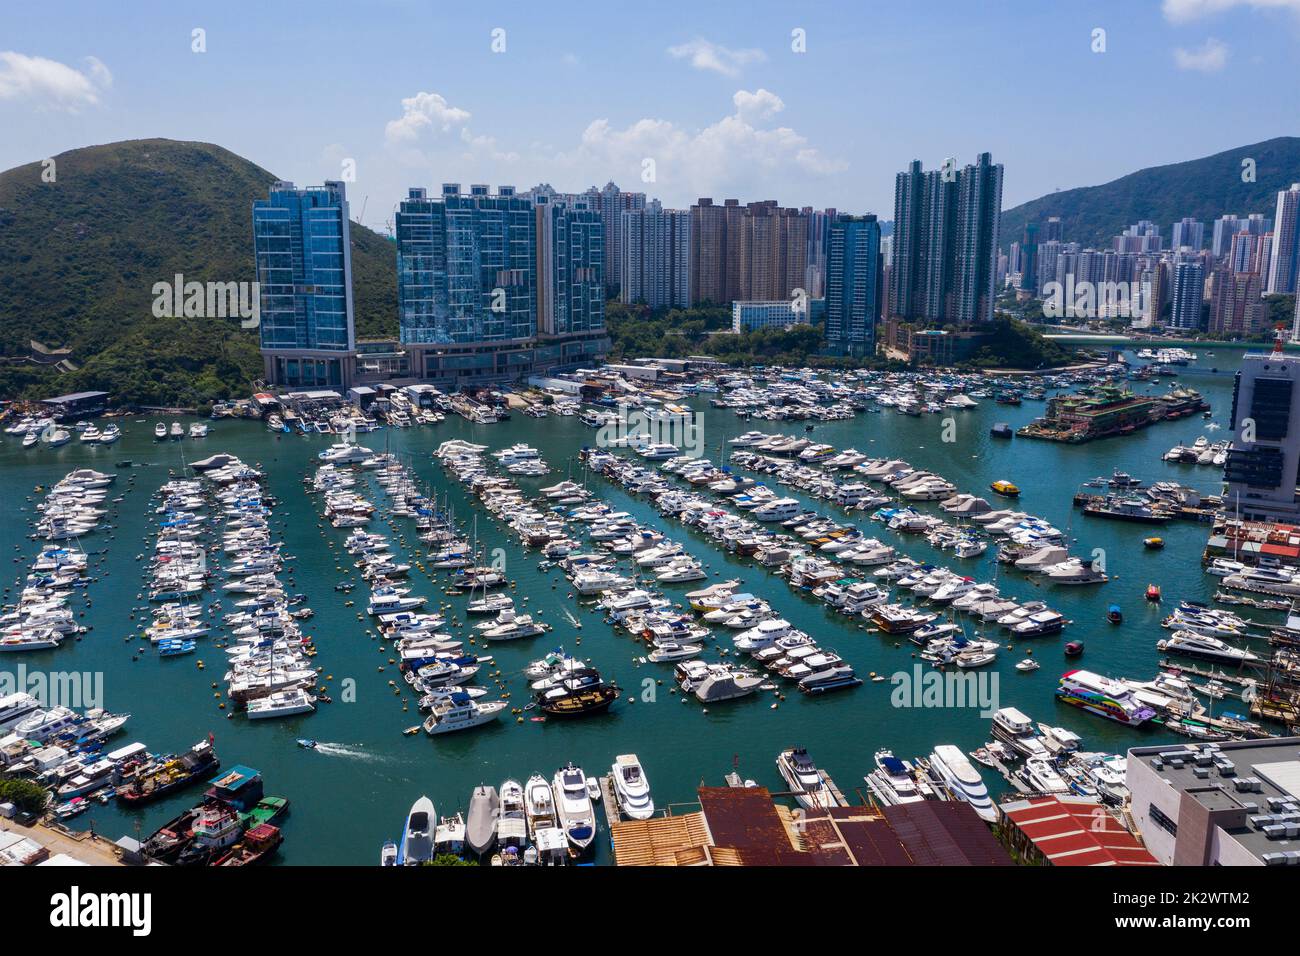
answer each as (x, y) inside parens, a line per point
(712, 92)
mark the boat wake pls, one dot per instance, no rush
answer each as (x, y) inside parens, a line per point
(345, 750)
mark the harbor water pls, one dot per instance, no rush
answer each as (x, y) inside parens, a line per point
(352, 793)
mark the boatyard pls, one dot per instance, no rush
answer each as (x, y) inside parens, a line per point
(507, 628)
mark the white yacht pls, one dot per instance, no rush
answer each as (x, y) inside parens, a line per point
(459, 711)
(778, 509)
(344, 453)
(632, 788)
(954, 771)
(1190, 644)
(283, 703)
(894, 781)
(811, 787)
(1015, 729)
(577, 817)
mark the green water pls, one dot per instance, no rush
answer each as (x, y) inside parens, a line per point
(351, 795)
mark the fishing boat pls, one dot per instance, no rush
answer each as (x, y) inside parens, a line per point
(257, 844)
(417, 837)
(1114, 614)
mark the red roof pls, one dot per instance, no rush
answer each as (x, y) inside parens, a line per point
(1077, 832)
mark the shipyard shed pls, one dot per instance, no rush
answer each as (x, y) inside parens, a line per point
(742, 826)
(1071, 831)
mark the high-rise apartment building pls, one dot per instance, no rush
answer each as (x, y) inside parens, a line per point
(754, 252)
(944, 259)
(656, 256)
(853, 285)
(715, 252)
(1285, 254)
(1188, 233)
(493, 286)
(1236, 308)
(303, 256)
(1187, 294)
(1264, 461)
(611, 202)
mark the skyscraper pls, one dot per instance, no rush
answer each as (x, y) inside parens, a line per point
(656, 254)
(303, 256)
(1189, 233)
(467, 271)
(491, 287)
(773, 251)
(715, 252)
(853, 285)
(570, 268)
(1187, 295)
(1263, 462)
(944, 259)
(1286, 242)
(1236, 308)
(611, 202)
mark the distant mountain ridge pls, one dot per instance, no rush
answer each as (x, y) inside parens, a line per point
(1203, 189)
(79, 257)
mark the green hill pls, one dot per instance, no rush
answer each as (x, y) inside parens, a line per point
(79, 257)
(1203, 188)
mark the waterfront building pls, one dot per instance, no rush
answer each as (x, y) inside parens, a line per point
(746, 316)
(1234, 803)
(1285, 250)
(1264, 460)
(303, 257)
(944, 253)
(492, 287)
(655, 246)
(853, 285)
(1187, 295)
(1065, 830)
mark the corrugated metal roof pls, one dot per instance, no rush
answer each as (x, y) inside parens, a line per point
(1077, 832)
(945, 833)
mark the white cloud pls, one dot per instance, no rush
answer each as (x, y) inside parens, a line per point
(1185, 11)
(740, 154)
(49, 83)
(1209, 58)
(706, 55)
(421, 112)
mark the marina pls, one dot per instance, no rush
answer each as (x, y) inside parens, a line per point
(365, 567)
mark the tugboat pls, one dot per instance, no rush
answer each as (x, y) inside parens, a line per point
(1114, 614)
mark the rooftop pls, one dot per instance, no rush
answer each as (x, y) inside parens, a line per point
(1253, 784)
(1072, 831)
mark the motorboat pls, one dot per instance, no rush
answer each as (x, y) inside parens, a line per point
(576, 815)
(952, 768)
(539, 807)
(894, 782)
(1205, 647)
(417, 837)
(812, 788)
(459, 711)
(632, 788)
(484, 818)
